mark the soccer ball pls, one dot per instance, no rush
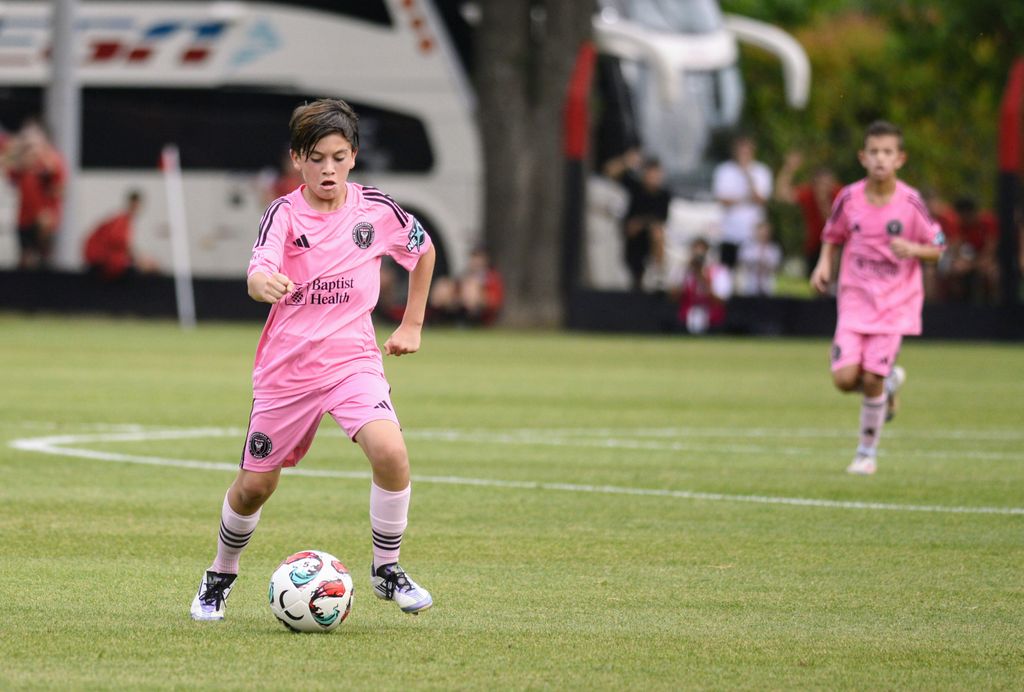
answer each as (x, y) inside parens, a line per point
(311, 591)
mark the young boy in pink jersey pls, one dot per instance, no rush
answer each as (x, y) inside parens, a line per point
(317, 261)
(884, 230)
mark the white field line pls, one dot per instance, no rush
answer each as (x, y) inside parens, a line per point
(969, 435)
(552, 438)
(57, 445)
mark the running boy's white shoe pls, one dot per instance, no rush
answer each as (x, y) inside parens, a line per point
(862, 465)
(391, 583)
(893, 383)
(211, 596)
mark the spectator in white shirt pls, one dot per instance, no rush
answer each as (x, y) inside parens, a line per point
(758, 262)
(742, 185)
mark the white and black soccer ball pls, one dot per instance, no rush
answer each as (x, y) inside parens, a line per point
(311, 591)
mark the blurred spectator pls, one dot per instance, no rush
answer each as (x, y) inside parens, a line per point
(814, 198)
(944, 215)
(38, 172)
(279, 183)
(941, 211)
(758, 263)
(108, 249)
(482, 289)
(742, 185)
(971, 272)
(475, 298)
(702, 293)
(643, 226)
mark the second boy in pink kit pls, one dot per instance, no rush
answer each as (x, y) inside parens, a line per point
(884, 230)
(317, 260)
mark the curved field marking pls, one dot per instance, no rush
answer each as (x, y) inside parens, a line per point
(58, 445)
(698, 440)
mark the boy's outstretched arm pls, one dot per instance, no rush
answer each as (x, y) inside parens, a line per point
(406, 339)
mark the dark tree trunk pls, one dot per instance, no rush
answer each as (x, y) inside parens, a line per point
(525, 54)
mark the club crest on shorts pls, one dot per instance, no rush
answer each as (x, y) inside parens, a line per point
(362, 234)
(259, 446)
(894, 227)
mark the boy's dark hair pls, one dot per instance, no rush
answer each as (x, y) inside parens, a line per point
(965, 206)
(650, 162)
(311, 122)
(881, 128)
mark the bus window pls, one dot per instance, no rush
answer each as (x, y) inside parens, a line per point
(681, 16)
(215, 129)
(228, 129)
(19, 103)
(373, 11)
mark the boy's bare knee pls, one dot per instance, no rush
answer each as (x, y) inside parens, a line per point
(252, 490)
(390, 454)
(874, 385)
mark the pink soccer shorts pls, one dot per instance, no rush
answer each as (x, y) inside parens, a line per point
(282, 430)
(875, 353)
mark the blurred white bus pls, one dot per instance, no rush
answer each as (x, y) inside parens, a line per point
(220, 80)
(669, 80)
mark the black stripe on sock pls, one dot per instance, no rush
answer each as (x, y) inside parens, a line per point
(382, 540)
(235, 534)
(232, 539)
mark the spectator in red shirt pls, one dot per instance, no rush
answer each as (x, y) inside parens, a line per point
(482, 289)
(37, 171)
(814, 198)
(279, 183)
(703, 291)
(935, 283)
(108, 249)
(474, 298)
(972, 271)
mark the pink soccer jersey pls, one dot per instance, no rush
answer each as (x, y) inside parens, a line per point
(878, 292)
(322, 332)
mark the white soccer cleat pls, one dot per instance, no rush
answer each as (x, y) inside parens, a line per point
(862, 465)
(212, 595)
(893, 383)
(391, 583)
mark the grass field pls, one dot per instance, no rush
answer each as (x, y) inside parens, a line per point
(588, 511)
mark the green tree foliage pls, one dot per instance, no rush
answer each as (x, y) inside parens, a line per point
(936, 67)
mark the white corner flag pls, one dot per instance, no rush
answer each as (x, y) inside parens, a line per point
(170, 163)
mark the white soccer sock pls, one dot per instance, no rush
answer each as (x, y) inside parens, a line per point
(235, 532)
(389, 515)
(872, 418)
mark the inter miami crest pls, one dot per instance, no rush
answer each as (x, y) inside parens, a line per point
(894, 227)
(259, 446)
(362, 234)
